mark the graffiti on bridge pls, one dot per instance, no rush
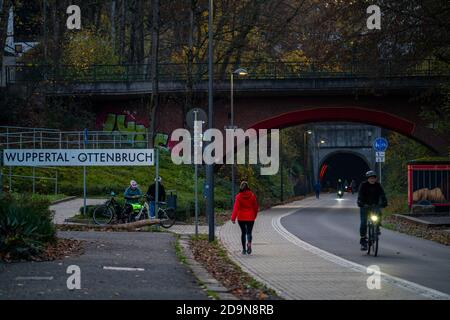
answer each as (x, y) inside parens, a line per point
(129, 129)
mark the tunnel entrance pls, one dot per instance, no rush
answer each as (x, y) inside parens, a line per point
(345, 166)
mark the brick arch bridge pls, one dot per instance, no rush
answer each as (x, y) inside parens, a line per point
(269, 112)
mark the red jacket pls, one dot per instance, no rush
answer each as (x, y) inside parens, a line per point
(245, 207)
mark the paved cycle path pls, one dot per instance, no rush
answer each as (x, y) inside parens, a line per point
(334, 227)
(115, 265)
(298, 270)
(68, 209)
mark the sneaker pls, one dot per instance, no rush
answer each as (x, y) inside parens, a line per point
(249, 248)
(244, 251)
(363, 243)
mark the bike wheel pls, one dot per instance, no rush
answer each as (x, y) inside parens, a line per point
(375, 242)
(103, 215)
(370, 240)
(167, 217)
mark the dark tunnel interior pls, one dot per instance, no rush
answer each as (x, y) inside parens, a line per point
(345, 166)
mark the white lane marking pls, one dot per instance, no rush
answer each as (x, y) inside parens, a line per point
(399, 282)
(33, 278)
(123, 269)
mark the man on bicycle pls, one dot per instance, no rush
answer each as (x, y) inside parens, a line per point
(370, 194)
(151, 195)
(131, 195)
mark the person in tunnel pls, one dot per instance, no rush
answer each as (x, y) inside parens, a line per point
(353, 186)
(317, 188)
(370, 194)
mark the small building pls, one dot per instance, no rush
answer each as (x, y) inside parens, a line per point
(429, 183)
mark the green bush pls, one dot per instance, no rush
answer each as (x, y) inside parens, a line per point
(25, 226)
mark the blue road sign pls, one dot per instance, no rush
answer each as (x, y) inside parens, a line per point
(380, 144)
(85, 137)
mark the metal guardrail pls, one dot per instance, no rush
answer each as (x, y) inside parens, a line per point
(33, 177)
(41, 138)
(38, 139)
(257, 70)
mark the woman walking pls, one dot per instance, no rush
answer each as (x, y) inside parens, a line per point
(245, 211)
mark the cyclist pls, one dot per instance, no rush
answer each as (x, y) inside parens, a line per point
(131, 195)
(151, 195)
(370, 193)
(340, 185)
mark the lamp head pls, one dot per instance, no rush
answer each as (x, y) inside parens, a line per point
(241, 72)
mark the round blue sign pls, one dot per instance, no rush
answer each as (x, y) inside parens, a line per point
(380, 144)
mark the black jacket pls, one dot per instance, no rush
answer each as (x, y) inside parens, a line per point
(371, 194)
(151, 192)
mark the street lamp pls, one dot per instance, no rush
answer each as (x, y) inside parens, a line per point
(305, 160)
(318, 151)
(209, 167)
(240, 72)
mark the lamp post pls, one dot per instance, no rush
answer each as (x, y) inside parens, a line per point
(321, 141)
(242, 73)
(305, 160)
(210, 167)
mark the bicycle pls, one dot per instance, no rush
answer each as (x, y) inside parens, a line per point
(166, 216)
(106, 213)
(373, 228)
(111, 211)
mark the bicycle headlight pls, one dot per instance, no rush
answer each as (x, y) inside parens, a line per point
(374, 218)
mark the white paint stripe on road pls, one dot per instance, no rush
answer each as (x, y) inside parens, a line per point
(123, 269)
(402, 283)
(33, 278)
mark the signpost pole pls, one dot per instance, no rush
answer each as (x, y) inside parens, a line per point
(84, 174)
(157, 182)
(380, 171)
(196, 146)
(1, 172)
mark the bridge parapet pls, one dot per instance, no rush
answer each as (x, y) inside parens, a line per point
(294, 75)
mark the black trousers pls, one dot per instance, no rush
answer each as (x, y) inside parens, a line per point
(246, 229)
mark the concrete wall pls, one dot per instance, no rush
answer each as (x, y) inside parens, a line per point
(342, 138)
(7, 61)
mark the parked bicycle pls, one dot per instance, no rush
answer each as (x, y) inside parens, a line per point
(112, 212)
(373, 229)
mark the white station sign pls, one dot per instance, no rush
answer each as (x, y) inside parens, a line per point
(77, 157)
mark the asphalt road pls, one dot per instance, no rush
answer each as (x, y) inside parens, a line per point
(333, 226)
(154, 271)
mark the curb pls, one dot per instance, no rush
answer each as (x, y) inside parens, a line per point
(201, 274)
(63, 200)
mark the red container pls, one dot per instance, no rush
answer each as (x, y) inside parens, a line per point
(431, 175)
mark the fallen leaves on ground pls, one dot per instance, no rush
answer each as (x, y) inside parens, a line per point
(55, 251)
(215, 260)
(436, 234)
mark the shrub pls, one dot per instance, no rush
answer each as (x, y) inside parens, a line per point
(25, 227)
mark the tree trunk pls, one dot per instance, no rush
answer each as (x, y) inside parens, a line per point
(4, 17)
(154, 101)
(122, 226)
(113, 23)
(123, 22)
(189, 79)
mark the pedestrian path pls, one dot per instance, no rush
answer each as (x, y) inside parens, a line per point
(188, 229)
(68, 209)
(297, 270)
